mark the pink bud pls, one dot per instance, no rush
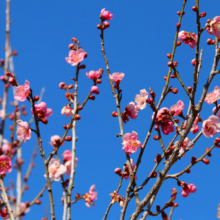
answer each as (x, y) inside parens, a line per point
(192, 188)
(106, 24)
(95, 89)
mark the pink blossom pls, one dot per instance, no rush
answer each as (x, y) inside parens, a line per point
(195, 127)
(213, 96)
(191, 188)
(23, 130)
(75, 57)
(116, 77)
(95, 89)
(6, 147)
(132, 110)
(141, 99)
(5, 164)
(90, 197)
(131, 143)
(67, 155)
(163, 120)
(56, 169)
(66, 110)
(68, 166)
(23, 206)
(55, 140)
(184, 145)
(214, 27)
(94, 74)
(177, 108)
(186, 37)
(167, 127)
(42, 111)
(106, 15)
(132, 167)
(22, 92)
(218, 112)
(211, 126)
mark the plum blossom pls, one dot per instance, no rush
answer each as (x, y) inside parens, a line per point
(117, 77)
(131, 110)
(177, 108)
(131, 143)
(191, 188)
(68, 166)
(214, 27)
(66, 110)
(141, 99)
(42, 111)
(163, 120)
(94, 74)
(56, 169)
(213, 96)
(127, 171)
(211, 126)
(23, 130)
(55, 140)
(6, 147)
(106, 15)
(75, 57)
(22, 92)
(67, 155)
(22, 207)
(184, 145)
(195, 127)
(186, 38)
(90, 197)
(5, 164)
(218, 112)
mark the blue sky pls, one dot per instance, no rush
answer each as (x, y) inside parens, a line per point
(139, 37)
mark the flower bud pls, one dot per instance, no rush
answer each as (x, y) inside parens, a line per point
(202, 15)
(193, 159)
(153, 175)
(36, 98)
(83, 66)
(205, 161)
(62, 85)
(8, 74)
(72, 46)
(209, 41)
(178, 43)
(77, 195)
(152, 93)
(2, 61)
(99, 26)
(170, 64)
(189, 89)
(38, 202)
(178, 25)
(92, 97)
(150, 100)
(158, 208)
(77, 117)
(74, 39)
(68, 138)
(175, 63)
(80, 108)
(12, 81)
(188, 171)
(70, 86)
(118, 171)
(169, 55)
(156, 137)
(44, 120)
(194, 8)
(14, 53)
(174, 90)
(106, 24)
(114, 114)
(98, 81)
